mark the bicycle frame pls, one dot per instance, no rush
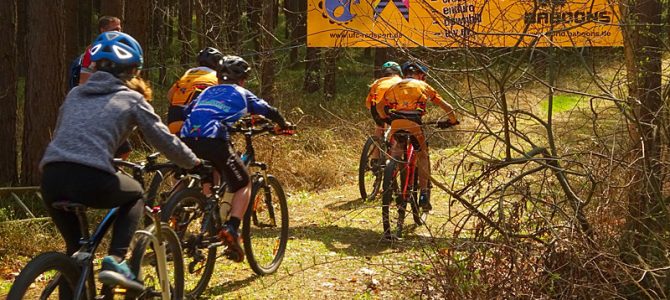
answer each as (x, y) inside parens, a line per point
(84, 256)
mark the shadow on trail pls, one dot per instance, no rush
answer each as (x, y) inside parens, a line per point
(350, 204)
(352, 241)
(231, 286)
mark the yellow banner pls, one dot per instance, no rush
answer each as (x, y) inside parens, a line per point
(462, 23)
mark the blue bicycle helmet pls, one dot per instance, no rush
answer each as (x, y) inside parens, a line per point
(117, 47)
(412, 67)
(391, 67)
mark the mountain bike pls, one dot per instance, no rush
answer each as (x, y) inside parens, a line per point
(371, 171)
(197, 218)
(401, 184)
(53, 273)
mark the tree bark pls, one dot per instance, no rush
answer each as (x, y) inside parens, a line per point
(647, 223)
(382, 55)
(185, 28)
(8, 95)
(85, 22)
(72, 28)
(22, 30)
(267, 58)
(330, 73)
(295, 24)
(312, 70)
(112, 8)
(233, 20)
(45, 84)
(254, 10)
(137, 24)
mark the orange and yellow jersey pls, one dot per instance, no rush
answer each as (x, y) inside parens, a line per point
(378, 88)
(187, 88)
(410, 95)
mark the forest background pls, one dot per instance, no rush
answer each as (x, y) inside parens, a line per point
(555, 180)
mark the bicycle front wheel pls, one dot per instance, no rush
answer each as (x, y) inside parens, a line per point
(144, 263)
(50, 275)
(265, 227)
(185, 212)
(370, 171)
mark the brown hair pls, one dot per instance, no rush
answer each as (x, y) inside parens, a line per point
(137, 84)
(105, 20)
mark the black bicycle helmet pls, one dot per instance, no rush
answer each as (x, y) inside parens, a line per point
(233, 68)
(209, 57)
(412, 67)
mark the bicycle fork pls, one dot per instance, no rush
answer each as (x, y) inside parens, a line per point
(161, 253)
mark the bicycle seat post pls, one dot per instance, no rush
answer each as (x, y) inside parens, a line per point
(83, 224)
(80, 211)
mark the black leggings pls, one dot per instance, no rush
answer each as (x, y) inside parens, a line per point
(220, 153)
(63, 181)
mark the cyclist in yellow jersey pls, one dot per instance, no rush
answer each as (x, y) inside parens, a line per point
(391, 72)
(190, 85)
(404, 104)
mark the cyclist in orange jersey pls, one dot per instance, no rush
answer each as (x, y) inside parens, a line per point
(391, 72)
(190, 85)
(404, 104)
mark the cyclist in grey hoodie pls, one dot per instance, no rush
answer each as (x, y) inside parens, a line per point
(94, 120)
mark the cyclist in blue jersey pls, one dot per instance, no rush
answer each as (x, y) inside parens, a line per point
(205, 132)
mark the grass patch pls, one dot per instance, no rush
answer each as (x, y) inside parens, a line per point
(561, 103)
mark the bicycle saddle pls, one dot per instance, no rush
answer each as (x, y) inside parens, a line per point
(69, 206)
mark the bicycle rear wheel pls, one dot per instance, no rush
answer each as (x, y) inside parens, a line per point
(393, 202)
(418, 214)
(143, 262)
(370, 172)
(265, 227)
(50, 275)
(185, 212)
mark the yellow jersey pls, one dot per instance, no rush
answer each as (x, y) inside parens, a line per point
(187, 88)
(410, 95)
(378, 88)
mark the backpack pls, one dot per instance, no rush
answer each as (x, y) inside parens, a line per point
(74, 72)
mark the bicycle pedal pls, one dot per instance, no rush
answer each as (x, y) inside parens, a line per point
(119, 281)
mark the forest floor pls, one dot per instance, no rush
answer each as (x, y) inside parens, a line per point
(335, 251)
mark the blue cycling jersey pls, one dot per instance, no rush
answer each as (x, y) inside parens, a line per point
(217, 107)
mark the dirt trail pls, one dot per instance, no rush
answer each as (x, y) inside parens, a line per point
(336, 251)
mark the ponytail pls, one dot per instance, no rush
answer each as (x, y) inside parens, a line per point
(139, 85)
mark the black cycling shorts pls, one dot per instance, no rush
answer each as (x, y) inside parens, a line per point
(221, 154)
(376, 117)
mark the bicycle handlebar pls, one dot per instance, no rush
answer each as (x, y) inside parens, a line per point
(256, 125)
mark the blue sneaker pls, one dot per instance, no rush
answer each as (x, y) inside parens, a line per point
(109, 263)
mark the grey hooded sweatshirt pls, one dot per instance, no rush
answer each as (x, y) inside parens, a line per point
(100, 115)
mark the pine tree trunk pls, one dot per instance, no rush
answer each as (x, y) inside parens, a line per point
(312, 70)
(233, 20)
(254, 10)
(647, 225)
(72, 28)
(185, 28)
(137, 24)
(296, 27)
(381, 56)
(267, 58)
(112, 8)
(85, 17)
(45, 86)
(8, 95)
(22, 30)
(330, 73)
